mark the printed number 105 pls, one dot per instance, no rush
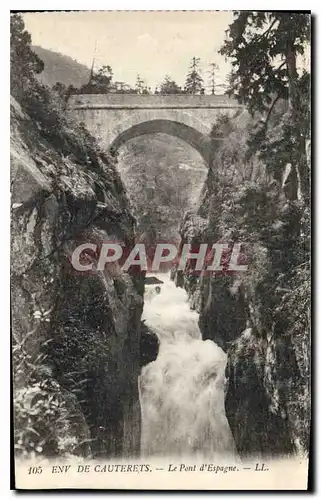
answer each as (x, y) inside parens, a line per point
(35, 470)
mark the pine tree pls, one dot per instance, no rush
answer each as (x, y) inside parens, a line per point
(141, 86)
(213, 68)
(194, 82)
(169, 86)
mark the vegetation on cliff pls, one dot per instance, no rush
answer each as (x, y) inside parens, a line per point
(76, 343)
(257, 193)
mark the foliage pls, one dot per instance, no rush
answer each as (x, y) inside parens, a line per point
(169, 86)
(244, 202)
(40, 411)
(48, 420)
(123, 88)
(266, 48)
(260, 45)
(250, 202)
(47, 108)
(64, 92)
(100, 82)
(141, 86)
(194, 81)
(213, 68)
(23, 74)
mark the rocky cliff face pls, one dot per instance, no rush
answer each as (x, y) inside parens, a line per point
(76, 337)
(164, 177)
(267, 396)
(260, 317)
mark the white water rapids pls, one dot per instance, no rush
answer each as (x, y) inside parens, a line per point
(182, 391)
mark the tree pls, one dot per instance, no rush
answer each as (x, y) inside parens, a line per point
(265, 48)
(64, 92)
(24, 63)
(141, 86)
(213, 68)
(100, 82)
(169, 86)
(123, 88)
(194, 81)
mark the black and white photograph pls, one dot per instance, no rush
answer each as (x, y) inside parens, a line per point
(160, 249)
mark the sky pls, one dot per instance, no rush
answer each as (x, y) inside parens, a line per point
(152, 44)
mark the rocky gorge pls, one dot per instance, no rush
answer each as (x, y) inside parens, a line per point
(219, 363)
(72, 334)
(260, 318)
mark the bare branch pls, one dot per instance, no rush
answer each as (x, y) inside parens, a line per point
(275, 100)
(266, 32)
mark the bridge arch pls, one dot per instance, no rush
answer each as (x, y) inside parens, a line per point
(115, 118)
(190, 135)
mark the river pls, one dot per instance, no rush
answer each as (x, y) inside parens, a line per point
(182, 391)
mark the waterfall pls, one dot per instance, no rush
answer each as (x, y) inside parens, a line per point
(182, 391)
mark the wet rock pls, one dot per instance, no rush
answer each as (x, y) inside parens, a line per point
(149, 345)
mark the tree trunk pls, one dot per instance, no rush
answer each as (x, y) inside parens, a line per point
(299, 159)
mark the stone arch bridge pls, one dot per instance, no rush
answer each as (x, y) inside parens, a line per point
(116, 118)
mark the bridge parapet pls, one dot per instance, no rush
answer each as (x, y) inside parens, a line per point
(134, 101)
